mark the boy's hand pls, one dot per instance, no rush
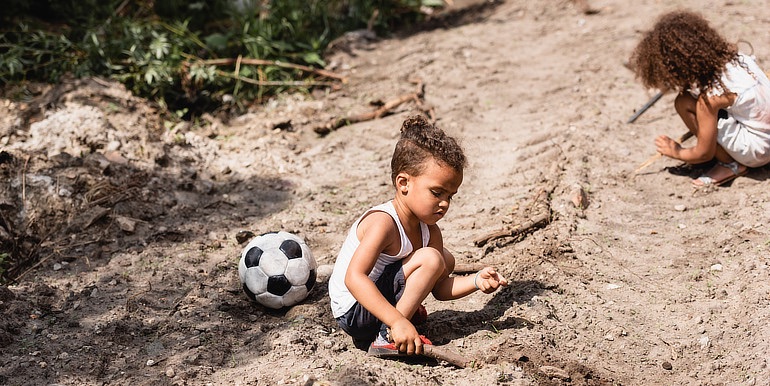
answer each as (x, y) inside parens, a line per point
(488, 280)
(667, 146)
(405, 337)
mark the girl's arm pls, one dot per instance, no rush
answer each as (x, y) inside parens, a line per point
(377, 233)
(706, 116)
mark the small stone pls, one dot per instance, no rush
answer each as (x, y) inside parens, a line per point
(170, 372)
(681, 226)
(243, 236)
(716, 267)
(704, 342)
(613, 286)
(57, 267)
(680, 208)
(554, 372)
(150, 362)
(324, 271)
(666, 365)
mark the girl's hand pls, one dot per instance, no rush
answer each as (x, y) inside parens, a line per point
(488, 280)
(667, 146)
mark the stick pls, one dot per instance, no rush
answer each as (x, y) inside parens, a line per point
(535, 222)
(646, 106)
(262, 62)
(654, 158)
(446, 355)
(384, 110)
(468, 267)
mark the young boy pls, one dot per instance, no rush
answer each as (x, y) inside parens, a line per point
(394, 255)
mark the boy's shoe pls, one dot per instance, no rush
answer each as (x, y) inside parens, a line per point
(420, 316)
(382, 348)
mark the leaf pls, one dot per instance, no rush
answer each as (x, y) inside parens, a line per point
(216, 41)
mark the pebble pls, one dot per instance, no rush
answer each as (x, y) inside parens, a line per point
(170, 372)
(666, 365)
(716, 267)
(704, 342)
(150, 362)
(324, 271)
(680, 208)
(554, 372)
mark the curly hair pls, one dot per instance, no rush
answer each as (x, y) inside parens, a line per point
(420, 140)
(680, 52)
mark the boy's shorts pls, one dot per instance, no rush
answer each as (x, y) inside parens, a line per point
(358, 322)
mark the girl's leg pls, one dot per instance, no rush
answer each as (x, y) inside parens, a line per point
(685, 107)
(421, 272)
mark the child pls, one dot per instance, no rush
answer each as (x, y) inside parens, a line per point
(394, 254)
(724, 97)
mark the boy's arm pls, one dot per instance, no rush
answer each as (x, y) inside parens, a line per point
(454, 287)
(376, 233)
(486, 280)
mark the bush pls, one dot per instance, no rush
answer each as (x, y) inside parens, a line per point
(188, 56)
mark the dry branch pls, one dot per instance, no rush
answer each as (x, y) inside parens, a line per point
(382, 111)
(261, 62)
(538, 221)
(446, 355)
(468, 267)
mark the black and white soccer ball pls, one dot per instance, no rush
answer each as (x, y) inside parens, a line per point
(277, 269)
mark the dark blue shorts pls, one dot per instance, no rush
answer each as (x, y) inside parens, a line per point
(358, 322)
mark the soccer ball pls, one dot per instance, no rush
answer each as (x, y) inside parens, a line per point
(277, 269)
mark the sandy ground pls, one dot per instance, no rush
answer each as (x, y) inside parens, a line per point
(135, 232)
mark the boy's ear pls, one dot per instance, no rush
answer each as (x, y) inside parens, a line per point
(402, 182)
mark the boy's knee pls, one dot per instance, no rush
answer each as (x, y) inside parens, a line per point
(430, 258)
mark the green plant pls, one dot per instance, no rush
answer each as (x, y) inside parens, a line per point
(198, 56)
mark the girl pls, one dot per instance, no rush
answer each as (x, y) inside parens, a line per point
(724, 97)
(394, 255)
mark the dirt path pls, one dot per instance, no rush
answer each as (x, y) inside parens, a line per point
(653, 283)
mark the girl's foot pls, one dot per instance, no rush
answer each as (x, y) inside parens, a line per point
(721, 174)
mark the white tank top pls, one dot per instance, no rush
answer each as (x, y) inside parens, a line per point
(341, 298)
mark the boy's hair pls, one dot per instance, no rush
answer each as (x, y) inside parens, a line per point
(421, 140)
(682, 51)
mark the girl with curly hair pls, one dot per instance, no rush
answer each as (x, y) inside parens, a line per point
(724, 97)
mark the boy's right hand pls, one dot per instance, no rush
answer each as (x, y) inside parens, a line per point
(405, 337)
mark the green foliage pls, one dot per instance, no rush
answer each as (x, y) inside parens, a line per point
(185, 55)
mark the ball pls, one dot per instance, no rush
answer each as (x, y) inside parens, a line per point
(277, 269)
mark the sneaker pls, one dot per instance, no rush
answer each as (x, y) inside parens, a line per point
(420, 316)
(383, 348)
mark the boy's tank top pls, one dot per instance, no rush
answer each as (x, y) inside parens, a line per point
(341, 298)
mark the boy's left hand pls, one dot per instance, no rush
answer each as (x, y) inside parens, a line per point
(490, 280)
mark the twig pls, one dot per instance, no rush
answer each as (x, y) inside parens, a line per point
(655, 157)
(274, 82)
(446, 355)
(262, 62)
(384, 110)
(468, 267)
(646, 106)
(538, 221)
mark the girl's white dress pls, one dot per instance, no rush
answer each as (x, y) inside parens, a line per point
(745, 134)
